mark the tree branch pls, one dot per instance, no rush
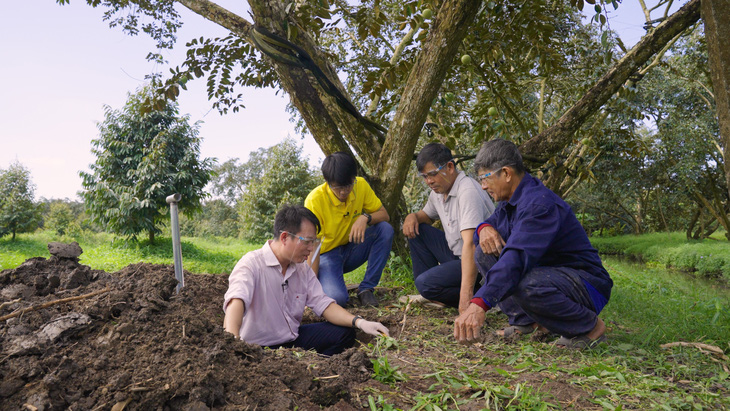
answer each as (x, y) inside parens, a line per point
(558, 136)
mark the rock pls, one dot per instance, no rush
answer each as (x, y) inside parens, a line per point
(62, 250)
(63, 326)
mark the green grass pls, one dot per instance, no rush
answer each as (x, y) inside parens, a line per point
(106, 252)
(705, 258)
(652, 306)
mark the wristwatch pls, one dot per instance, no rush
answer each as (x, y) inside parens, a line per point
(354, 320)
(370, 218)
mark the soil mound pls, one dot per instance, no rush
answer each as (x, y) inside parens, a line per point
(85, 339)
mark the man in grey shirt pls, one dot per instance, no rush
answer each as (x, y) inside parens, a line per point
(443, 261)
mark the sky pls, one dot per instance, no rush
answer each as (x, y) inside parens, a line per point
(62, 64)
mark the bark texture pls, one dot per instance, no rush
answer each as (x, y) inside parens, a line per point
(558, 136)
(433, 61)
(716, 16)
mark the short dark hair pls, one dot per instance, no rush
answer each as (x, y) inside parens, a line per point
(339, 168)
(435, 153)
(498, 153)
(289, 218)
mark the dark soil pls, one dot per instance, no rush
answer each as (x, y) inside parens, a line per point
(137, 345)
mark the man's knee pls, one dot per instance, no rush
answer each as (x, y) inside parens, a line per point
(425, 288)
(385, 230)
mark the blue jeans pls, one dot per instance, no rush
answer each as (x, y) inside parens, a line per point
(436, 270)
(554, 297)
(375, 250)
(325, 338)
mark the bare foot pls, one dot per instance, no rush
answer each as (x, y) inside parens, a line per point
(598, 330)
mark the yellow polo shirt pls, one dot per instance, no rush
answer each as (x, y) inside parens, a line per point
(337, 217)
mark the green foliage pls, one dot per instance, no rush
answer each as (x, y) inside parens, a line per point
(60, 217)
(141, 158)
(706, 258)
(216, 219)
(399, 273)
(281, 176)
(18, 213)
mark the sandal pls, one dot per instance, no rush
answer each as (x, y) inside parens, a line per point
(517, 330)
(580, 342)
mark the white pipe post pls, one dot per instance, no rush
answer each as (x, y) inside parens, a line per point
(176, 252)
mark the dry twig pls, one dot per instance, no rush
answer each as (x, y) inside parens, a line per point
(52, 303)
(7, 303)
(704, 348)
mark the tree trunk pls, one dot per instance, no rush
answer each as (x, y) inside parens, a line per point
(716, 15)
(424, 81)
(151, 237)
(559, 136)
(692, 222)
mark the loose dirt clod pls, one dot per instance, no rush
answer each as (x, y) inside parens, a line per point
(70, 251)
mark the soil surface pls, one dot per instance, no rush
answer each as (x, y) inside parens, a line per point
(125, 340)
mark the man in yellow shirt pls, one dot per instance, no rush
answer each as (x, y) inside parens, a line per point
(355, 229)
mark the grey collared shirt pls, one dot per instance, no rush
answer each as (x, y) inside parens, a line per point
(463, 208)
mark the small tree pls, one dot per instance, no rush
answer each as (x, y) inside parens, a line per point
(286, 178)
(142, 157)
(18, 214)
(60, 217)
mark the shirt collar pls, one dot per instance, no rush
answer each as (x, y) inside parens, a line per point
(460, 176)
(336, 201)
(271, 261)
(269, 256)
(527, 179)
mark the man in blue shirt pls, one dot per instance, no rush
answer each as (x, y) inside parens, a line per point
(538, 264)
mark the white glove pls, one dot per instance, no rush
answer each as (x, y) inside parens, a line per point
(372, 328)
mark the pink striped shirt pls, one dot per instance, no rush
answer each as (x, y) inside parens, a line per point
(273, 304)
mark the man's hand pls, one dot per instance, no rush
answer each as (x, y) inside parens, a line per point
(372, 327)
(357, 233)
(490, 241)
(410, 226)
(464, 300)
(468, 324)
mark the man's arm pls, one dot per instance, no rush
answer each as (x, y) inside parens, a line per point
(468, 269)
(412, 221)
(339, 316)
(357, 232)
(234, 317)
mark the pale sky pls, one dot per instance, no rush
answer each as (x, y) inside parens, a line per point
(62, 64)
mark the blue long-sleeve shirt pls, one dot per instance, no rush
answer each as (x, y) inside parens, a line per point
(540, 230)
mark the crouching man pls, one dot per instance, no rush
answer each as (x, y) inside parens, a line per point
(536, 258)
(269, 288)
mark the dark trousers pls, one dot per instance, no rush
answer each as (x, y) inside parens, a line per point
(325, 338)
(436, 270)
(554, 297)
